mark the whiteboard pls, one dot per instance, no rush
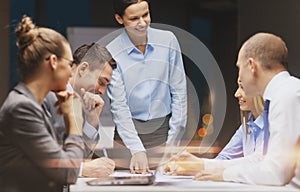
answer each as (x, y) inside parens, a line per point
(78, 36)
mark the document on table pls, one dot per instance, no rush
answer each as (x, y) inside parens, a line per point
(126, 173)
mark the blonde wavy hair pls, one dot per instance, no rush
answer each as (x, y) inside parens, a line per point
(259, 108)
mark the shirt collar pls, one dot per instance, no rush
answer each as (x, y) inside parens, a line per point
(272, 85)
(259, 122)
(70, 88)
(130, 47)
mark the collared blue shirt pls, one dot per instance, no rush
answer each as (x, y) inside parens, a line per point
(147, 86)
(243, 144)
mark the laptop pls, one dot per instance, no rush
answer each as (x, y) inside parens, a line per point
(147, 179)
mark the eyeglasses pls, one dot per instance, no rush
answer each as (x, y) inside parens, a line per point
(72, 62)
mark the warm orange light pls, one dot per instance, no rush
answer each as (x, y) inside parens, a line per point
(207, 119)
(202, 132)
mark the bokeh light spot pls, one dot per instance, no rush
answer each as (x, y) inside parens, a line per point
(207, 119)
(202, 132)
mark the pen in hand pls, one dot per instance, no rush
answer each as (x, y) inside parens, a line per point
(104, 152)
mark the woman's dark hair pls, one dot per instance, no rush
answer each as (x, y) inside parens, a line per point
(120, 5)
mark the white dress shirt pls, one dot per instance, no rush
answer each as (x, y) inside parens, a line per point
(277, 166)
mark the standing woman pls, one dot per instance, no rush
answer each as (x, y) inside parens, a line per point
(30, 157)
(148, 89)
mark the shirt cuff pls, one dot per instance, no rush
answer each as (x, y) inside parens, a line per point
(80, 170)
(90, 131)
(217, 163)
(211, 164)
(134, 151)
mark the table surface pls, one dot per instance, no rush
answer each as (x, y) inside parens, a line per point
(165, 183)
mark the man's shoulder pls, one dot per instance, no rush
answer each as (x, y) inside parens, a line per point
(288, 88)
(292, 84)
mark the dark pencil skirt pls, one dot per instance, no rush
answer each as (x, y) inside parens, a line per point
(152, 133)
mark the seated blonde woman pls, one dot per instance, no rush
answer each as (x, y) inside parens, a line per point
(246, 142)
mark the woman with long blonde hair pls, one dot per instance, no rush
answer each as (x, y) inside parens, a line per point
(247, 141)
(249, 137)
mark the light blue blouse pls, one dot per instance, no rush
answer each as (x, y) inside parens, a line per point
(242, 144)
(147, 86)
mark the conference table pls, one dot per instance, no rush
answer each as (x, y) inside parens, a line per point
(170, 183)
(179, 183)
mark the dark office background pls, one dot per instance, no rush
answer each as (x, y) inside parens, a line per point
(222, 25)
